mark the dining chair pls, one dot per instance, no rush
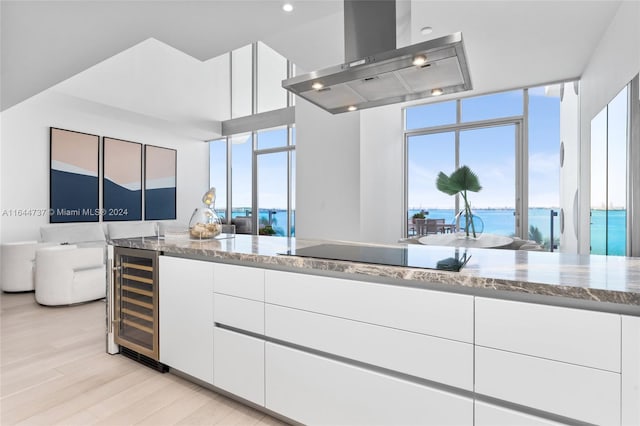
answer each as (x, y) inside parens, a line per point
(435, 226)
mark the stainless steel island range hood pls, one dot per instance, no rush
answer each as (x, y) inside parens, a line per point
(375, 72)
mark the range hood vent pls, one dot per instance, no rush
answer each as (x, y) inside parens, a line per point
(431, 68)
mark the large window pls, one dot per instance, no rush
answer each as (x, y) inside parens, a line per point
(241, 183)
(253, 169)
(430, 115)
(609, 177)
(544, 161)
(274, 179)
(518, 170)
(272, 138)
(488, 107)
(491, 153)
(427, 154)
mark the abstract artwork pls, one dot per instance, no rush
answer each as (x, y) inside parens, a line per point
(159, 183)
(73, 179)
(122, 180)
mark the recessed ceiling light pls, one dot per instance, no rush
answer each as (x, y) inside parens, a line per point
(352, 108)
(287, 7)
(436, 92)
(426, 30)
(419, 60)
(317, 85)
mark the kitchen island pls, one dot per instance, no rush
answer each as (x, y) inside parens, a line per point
(513, 338)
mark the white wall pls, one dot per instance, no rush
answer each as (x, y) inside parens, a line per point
(381, 174)
(156, 80)
(349, 174)
(615, 61)
(327, 174)
(24, 182)
(220, 79)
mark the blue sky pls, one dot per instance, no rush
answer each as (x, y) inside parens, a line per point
(608, 155)
(490, 152)
(272, 170)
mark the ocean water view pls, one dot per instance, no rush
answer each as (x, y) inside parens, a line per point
(501, 221)
(276, 217)
(608, 227)
(608, 232)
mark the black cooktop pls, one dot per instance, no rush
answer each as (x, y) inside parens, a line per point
(444, 258)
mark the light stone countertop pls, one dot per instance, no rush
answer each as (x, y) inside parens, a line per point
(603, 283)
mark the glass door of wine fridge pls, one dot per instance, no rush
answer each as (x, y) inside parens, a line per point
(136, 300)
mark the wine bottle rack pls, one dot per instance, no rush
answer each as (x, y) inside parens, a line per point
(136, 300)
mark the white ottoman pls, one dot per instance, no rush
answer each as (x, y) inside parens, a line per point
(17, 265)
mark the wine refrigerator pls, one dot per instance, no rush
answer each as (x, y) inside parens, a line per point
(134, 299)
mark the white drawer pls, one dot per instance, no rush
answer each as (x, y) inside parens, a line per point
(237, 312)
(492, 415)
(434, 313)
(441, 360)
(317, 391)
(239, 281)
(575, 336)
(238, 365)
(573, 391)
(630, 370)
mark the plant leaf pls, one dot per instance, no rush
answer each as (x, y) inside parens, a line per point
(465, 180)
(444, 184)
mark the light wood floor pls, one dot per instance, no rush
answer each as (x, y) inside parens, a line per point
(54, 371)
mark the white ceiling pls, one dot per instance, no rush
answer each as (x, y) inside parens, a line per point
(508, 43)
(511, 44)
(46, 42)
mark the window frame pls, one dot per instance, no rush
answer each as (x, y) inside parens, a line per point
(253, 124)
(521, 158)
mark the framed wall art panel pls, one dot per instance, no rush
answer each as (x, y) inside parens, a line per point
(73, 176)
(122, 180)
(160, 183)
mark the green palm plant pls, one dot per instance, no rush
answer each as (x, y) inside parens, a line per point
(459, 182)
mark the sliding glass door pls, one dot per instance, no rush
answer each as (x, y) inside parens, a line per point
(609, 177)
(273, 189)
(274, 181)
(490, 150)
(427, 155)
(490, 153)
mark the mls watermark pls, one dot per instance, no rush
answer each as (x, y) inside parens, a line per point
(26, 212)
(63, 212)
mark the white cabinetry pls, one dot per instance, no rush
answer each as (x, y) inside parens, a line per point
(587, 338)
(186, 316)
(630, 370)
(324, 350)
(350, 352)
(422, 311)
(492, 415)
(239, 281)
(239, 365)
(581, 393)
(559, 360)
(315, 390)
(432, 358)
(239, 308)
(244, 314)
